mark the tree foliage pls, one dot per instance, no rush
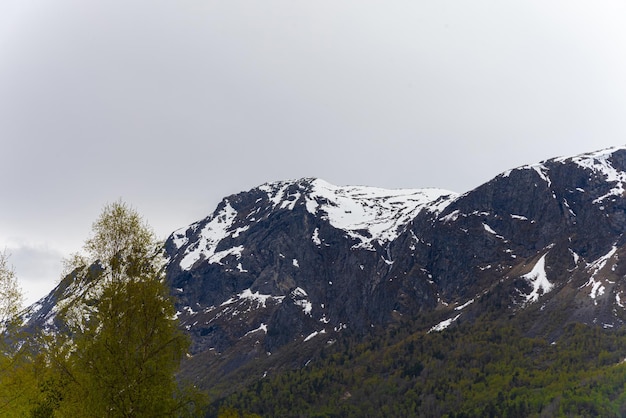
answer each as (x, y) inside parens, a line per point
(122, 242)
(128, 350)
(485, 369)
(126, 360)
(14, 378)
(120, 347)
(10, 292)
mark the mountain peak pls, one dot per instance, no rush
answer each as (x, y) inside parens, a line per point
(598, 155)
(370, 216)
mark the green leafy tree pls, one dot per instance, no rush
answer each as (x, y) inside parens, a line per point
(15, 381)
(127, 357)
(126, 346)
(123, 243)
(10, 292)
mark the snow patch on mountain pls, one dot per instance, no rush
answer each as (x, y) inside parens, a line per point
(599, 162)
(543, 172)
(370, 214)
(451, 217)
(489, 229)
(597, 287)
(261, 327)
(218, 228)
(444, 324)
(316, 237)
(465, 305)
(218, 256)
(539, 280)
(179, 237)
(300, 299)
(258, 298)
(314, 334)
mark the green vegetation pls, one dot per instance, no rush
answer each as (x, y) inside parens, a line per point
(10, 293)
(474, 370)
(15, 381)
(121, 348)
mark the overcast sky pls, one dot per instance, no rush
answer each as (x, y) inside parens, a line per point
(172, 105)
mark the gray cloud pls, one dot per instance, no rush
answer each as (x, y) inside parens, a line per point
(173, 105)
(37, 268)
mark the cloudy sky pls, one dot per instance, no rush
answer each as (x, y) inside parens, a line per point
(173, 104)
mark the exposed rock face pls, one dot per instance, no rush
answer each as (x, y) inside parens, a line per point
(551, 233)
(293, 258)
(297, 262)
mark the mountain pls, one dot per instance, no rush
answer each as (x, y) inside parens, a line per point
(548, 235)
(278, 273)
(291, 261)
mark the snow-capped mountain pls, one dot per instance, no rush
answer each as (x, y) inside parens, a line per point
(297, 263)
(289, 251)
(546, 236)
(372, 217)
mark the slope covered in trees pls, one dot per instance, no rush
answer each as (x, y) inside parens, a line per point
(489, 368)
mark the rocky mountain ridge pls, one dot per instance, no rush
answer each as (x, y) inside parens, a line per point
(284, 253)
(297, 263)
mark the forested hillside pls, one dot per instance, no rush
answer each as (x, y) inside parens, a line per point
(486, 369)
